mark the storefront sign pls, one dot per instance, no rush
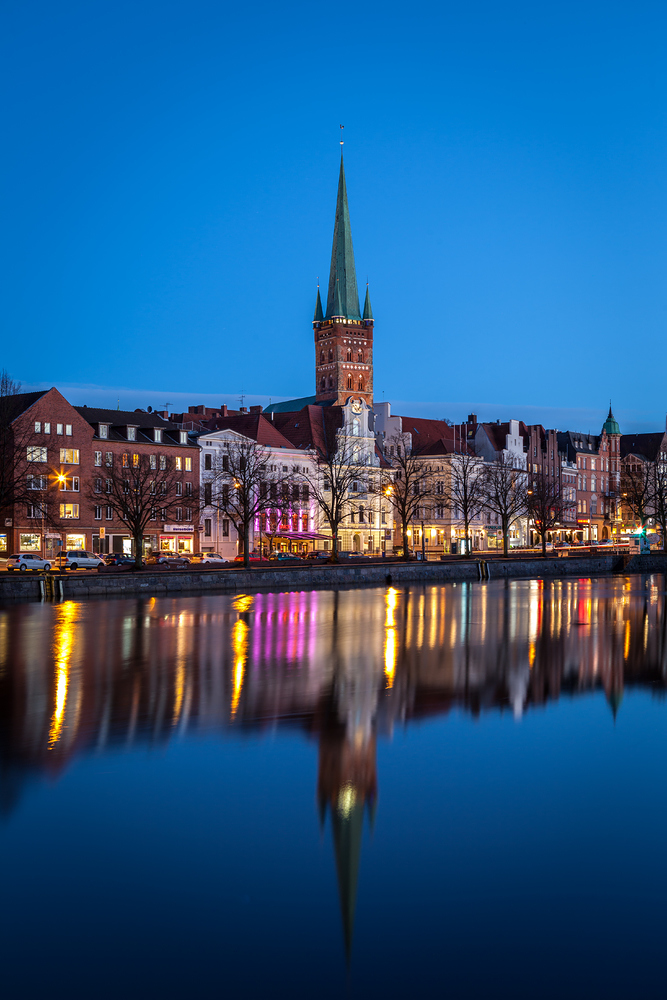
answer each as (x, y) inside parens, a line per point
(176, 529)
(51, 534)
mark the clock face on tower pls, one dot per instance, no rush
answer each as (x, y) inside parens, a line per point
(356, 406)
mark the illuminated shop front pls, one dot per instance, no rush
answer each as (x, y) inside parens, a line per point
(178, 538)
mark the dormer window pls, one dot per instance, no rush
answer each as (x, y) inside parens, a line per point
(157, 435)
(104, 430)
(131, 433)
(184, 437)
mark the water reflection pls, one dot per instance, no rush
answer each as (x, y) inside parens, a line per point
(344, 667)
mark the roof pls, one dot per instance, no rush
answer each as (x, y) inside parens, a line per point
(611, 424)
(574, 442)
(342, 297)
(368, 311)
(312, 427)
(17, 403)
(292, 405)
(647, 446)
(251, 425)
(123, 418)
(497, 433)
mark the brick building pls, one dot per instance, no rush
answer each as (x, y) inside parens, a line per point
(591, 465)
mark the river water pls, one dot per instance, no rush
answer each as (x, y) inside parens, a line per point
(456, 790)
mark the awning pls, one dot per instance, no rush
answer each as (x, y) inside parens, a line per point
(299, 536)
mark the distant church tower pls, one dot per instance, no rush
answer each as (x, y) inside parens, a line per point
(343, 337)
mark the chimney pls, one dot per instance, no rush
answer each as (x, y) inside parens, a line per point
(244, 409)
(472, 418)
(256, 409)
(223, 410)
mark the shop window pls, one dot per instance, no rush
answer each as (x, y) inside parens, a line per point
(131, 433)
(75, 542)
(47, 428)
(30, 542)
(98, 458)
(98, 513)
(225, 527)
(188, 463)
(179, 463)
(104, 431)
(109, 514)
(68, 510)
(36, 453)
(68, 430)
(157, 435)
(69, 456)
(207, 461)
(59, 428)
(38, 427)
(207, 527)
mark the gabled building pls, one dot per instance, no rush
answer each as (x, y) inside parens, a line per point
(591, 465)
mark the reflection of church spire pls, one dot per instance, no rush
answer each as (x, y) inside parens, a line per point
(347, 820)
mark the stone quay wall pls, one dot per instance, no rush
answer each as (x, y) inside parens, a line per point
(77, 586)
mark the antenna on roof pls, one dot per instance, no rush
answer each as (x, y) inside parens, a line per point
(167, 405)
(242, 397)
(118, 407)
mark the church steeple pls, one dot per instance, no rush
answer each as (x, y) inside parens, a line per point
(368, 312)
(319, 316)
(343, 297)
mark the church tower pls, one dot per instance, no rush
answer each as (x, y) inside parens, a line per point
(343, 336)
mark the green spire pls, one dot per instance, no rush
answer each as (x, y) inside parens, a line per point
(343, 297)
(368, 312)
(347, 826)
(319, 315)
(611, 424)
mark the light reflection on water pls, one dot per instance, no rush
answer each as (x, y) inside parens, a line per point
(78, 681)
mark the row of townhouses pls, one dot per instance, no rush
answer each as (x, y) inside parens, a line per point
(72, 455)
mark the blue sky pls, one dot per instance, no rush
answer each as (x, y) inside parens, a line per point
(169, 190)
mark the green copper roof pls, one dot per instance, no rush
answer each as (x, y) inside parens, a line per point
(319, 315)
(611, 424)
(343, 297)
(368, 312)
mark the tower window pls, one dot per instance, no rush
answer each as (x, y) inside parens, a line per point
(323, 382)
(349, 381)
(321, 357)
(330, 382)
(361, 384)
(349, 354)
(360, 356)
(330, 354)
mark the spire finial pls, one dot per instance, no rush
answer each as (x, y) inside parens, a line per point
(341, 139)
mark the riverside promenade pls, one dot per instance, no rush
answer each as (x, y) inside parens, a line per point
(77, 586)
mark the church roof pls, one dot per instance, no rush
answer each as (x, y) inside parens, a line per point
(611, 424)
(342, 297)
(294, 405)
(368, 310)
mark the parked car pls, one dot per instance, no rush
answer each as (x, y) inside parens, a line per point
(321, 554)
(208, 559)
(169, 560)
(79, 559)
(284, 556)
(119, 559)
(254, 557)
(27, 560)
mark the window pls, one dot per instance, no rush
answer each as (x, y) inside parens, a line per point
(330, 354)
(153, 462)
(179, 513)
(207, 527)
(69, 456)
(98, 458)
(59, 428)
(98, 485)
(179, 463)
(188, 489)
(38, 427)
(188, 463)
(109, 513)
(188, 513)
(179, 489)
(131, 433)
(323, 385)
(163, 462)
(109, 486)
(36, 482)
(349, 381)
(593, 464)
(68, 430)
(126, 460)
(36, 453)
(360, 355)
(135, 461)
(321, 357)
(68, 510)
(583, 506)
(208, 491)
(163, 513)
(47, 428)
(183, 437)
(361, 515)
(34, 510)
(153, 514)
(98, 513)
(157, 435)
(361, 384)
(207, 460)
(104, 431)
(225, 527)
(330, 382)
(305, 493)
(349, 354)
(30, 543)
(109, 459)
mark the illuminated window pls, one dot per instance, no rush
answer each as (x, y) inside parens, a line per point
(47, 428)
(163, 462)
(183, 437)
(68, 510)
(157, 435)
(135, 461)
(68, 430)
(98, 458)
(188, 463)
(131, 433)
(153, 461)
(104, 431)
(36, 454)
(38, 427)
(179, 463)
(69, 456)
(126, 460)
(59, 428)
(109, 459)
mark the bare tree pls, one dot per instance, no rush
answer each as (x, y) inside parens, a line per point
(141, 489)
(466, 491)
(330, 484)
(546, 504)
(242, 487)
(504, 494)
(408, 485)
(18, 482)
(659, 498)
(637, 488)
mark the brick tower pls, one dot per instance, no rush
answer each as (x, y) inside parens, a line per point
(343, 337)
